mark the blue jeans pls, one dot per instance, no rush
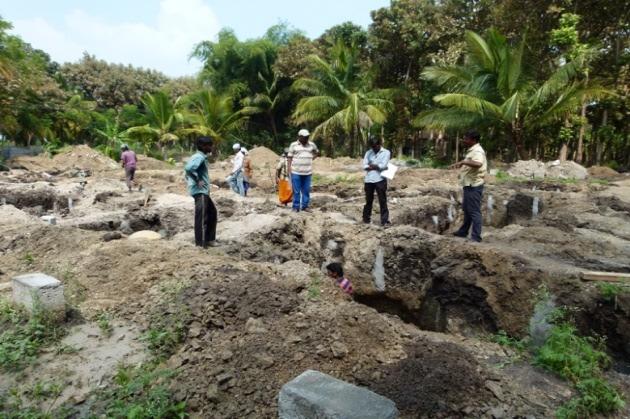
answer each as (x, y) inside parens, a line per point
(472, 212)
(236, 183)
(301, 191)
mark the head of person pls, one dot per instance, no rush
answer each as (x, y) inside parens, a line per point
(204, 144)
(124, 147)
(334, 270)
(285, 152)
(471, 138)
(236, 147)
(303, 135)
(375, 143)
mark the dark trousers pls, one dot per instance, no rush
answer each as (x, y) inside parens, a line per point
(205, 220)
(381, 191)
(472, 212)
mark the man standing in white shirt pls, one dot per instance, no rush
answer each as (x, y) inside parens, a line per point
(474, 168)
(375, 161)
(300, 158)
(236, 177)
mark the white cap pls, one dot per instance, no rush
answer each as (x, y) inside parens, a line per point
(236, 146)
(244, 150)
(303, 133)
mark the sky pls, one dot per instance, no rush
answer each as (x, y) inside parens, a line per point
(159, 34)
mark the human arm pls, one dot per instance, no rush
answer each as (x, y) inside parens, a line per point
(474, 162)
(191, 170)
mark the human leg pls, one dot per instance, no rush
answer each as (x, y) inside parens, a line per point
(369, 201)
(381, 191)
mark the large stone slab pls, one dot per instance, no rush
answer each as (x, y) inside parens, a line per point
(39, 291)
(316, 395)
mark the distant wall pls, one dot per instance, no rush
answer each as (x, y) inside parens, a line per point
(10, 152)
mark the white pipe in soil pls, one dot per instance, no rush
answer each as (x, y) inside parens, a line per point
(449, 213)
(70, 204)
(535, 207)
(490, 206)
(379, 270)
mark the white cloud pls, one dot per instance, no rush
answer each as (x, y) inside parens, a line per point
(164, 45)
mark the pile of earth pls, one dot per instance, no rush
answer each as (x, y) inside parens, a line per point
(555, 169)
(149, 163)
(602, 172)
(80, 157)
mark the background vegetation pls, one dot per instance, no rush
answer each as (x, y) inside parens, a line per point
(542, 79)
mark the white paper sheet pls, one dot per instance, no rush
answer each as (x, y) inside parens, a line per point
(390, 171)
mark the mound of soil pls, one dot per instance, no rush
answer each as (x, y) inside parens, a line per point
(436, 379)
(602, 172)
(78, 157)
(263, 157)
(149, 163)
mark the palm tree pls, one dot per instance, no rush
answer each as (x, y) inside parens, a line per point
(492, 89)
(337, 98)
(213, 114)
(163, 122)
(266, 102)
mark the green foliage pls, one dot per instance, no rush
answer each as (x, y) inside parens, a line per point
(503, 339)
(142, 393)
(571, 356)
(23, 336)
(28, 258)
(163, 341)
(610, 291)
(595, 397)
(580, 360)
(314, 288)
(18, 402)
(104, 323)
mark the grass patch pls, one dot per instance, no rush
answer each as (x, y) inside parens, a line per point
(163, 340)
(582, 361)
(604, 182)
(142, 392)
(23, 336)
(609, 292)
(502, 338)
(104, 323)
(314, 289)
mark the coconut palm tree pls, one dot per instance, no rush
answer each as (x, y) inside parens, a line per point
(212, 114)
(337, 98)
(493, 89)
(266, 102)
(163, 122)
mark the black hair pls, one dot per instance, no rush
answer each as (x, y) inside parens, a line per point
(124, 147)
(336, 268)
(374, 140)
(201, 141)
(473, 135)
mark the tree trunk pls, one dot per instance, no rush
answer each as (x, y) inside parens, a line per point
(274, 129)
(457, 147)
(578, 157)
(517, 139)
(599, 148)
(564, 150)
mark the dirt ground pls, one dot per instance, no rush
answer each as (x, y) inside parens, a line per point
(257, 311)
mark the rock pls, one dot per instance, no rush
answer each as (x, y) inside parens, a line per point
(527, 169)
(293, 339)
(495, 388)
(566, 170)
(317, 395)
(145, 235)
(255, 326)
(226, 355)
(224, 377)
(212, 393)
(339, 350)
(38, 291)
(112, 235)
(264, 360)
(125, 227)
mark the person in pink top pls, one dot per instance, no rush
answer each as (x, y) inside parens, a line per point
(129, 163)
(335, 271)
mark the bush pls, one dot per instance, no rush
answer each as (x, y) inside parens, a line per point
(23, 337)
(596, 397)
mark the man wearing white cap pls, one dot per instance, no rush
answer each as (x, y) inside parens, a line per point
(236, 177)
(300, 159)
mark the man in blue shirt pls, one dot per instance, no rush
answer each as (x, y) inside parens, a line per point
(198, 180)
(375, 161)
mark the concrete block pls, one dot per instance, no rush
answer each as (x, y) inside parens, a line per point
(317, 395)
(50, 219)
(38, 290)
